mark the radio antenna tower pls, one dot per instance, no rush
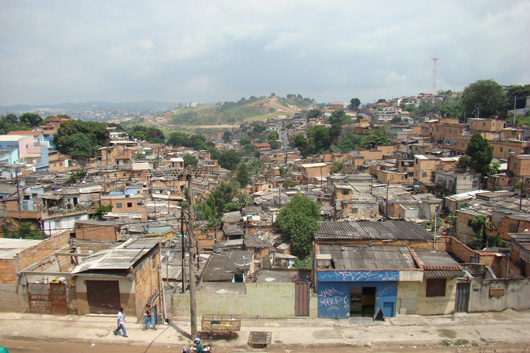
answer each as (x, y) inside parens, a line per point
(434, 74)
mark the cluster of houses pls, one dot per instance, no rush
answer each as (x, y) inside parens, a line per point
(379, 250)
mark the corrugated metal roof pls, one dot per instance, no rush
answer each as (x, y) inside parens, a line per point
(442, 273)
(389, 230)
(119, 258)
(368, 257)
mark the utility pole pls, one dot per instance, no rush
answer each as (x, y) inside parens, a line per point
(183, 246)
(193, 302)
(387, 184)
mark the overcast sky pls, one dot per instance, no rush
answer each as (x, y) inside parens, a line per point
(182, 51)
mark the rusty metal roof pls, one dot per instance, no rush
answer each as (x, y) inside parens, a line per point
(388, 230)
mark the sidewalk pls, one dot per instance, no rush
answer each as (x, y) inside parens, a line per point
(508, 326)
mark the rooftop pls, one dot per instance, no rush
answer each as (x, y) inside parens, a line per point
(388, 230)
(368, 257)
(121, 257)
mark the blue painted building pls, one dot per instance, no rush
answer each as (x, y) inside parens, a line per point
(343, 293)
(359, 265)
(360, 280)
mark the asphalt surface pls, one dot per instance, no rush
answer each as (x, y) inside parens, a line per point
(472, 330)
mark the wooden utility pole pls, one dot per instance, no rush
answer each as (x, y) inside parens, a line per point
(193, 302)
(183, 246)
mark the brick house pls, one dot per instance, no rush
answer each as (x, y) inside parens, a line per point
(129, 275)
(126, 203)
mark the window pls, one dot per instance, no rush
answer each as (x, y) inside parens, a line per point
(345, 192)
(512, 227)
(354, 210)
(424, 174)
(469, 222)
(129, 204)
(435, 287)
(118, 205)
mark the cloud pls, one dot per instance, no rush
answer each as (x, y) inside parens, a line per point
(226, 49)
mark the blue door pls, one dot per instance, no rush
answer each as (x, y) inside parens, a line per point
(388, 309)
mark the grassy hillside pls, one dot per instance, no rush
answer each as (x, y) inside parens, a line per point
(233, 113)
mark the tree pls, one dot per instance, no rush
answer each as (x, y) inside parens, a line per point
(453, 109)
(477, 224)
(337, 166)
(319, 138)
(197, 142)
(242, 175)
(154, 135)
(78, 145)
(190, 160)
(298, 222)
(354, 103)
(96, 135)
(334, 132)
(376, 138)
(26, 231)
(31, 119)
(339, 117)
(289, 183)
(283, 172)
(10, 122)
(350, 142)
(519, 92)
(214, 206)
(229, 159)
(227, 136)
(314, 114)
(273, 136)
(245, 140)
(102, 210)
(486, 98)
(300, 141)
(177, 139)
(481, 154)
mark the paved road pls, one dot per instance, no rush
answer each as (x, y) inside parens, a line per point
(18, 346)
(402, 333)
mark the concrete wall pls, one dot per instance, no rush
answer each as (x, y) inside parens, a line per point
(269, 300)
(10, 299)
(30, 256)
(516, 294)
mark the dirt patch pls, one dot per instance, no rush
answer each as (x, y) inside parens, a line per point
(447, 333)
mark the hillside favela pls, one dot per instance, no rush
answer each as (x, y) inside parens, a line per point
(339, 217)
(408, 206)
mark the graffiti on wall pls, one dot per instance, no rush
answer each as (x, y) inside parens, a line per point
(388, 290)
(332, 300)
(356, 276)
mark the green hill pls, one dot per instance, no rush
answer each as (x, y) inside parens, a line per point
(232, 113)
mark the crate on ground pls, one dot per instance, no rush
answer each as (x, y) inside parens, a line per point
(219, 324)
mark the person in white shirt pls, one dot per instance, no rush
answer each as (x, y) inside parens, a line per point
(121, 324)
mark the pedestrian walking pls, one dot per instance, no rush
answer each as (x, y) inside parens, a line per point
(121, 324)
(149, 317)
